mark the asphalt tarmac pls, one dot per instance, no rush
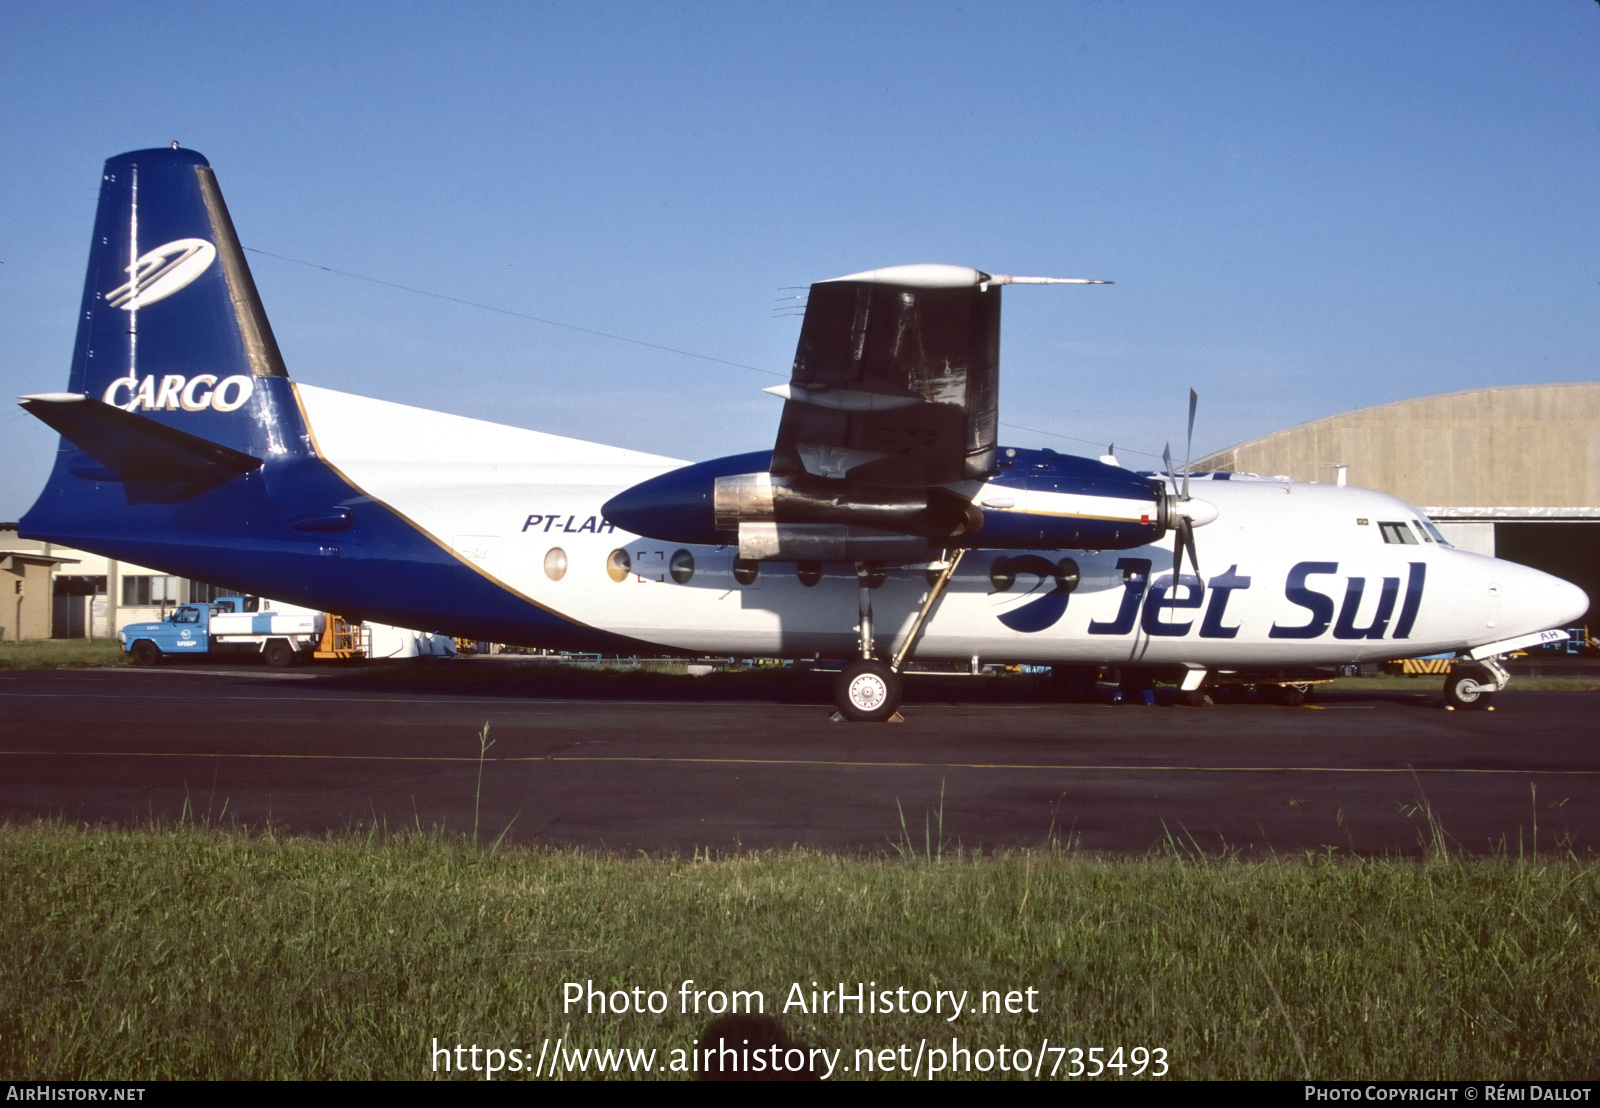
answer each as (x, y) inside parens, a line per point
(675, 764)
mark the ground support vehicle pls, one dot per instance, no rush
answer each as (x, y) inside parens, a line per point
(224, 627)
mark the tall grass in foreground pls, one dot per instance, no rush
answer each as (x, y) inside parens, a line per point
(61, 653)
(211, 954)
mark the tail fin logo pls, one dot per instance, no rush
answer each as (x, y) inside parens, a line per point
(161, 272)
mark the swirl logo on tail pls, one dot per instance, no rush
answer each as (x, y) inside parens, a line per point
(161, 272)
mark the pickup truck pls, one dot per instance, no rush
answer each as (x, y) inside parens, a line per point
(224, 627)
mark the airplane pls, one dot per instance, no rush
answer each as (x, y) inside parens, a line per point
(887, 523)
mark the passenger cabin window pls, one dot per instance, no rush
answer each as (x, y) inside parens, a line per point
(1397, 533)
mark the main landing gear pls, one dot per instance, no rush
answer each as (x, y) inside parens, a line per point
(869, 689)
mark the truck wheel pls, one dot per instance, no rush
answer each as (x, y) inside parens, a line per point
(867, 692)
(145, 653)
(279, 654)
(1462, 688)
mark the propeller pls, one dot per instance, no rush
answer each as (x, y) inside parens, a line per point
(1183, 523)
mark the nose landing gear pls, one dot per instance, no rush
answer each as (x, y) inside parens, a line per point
(1470, 688)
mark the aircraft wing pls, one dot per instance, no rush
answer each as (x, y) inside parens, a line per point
(895, 379)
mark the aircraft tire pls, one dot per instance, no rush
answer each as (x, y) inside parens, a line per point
(867, 692)
(278, 654)
(1461, 688)
(145, 653)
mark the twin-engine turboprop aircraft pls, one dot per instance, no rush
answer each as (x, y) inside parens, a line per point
(887, 521)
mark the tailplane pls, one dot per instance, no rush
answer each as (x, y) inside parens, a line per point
(155, 463)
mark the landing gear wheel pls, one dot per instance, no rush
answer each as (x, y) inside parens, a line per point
(867, 692)
(1462, 688)
(145, 653)
(279, 654)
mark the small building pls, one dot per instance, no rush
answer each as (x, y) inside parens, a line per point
(1512, 472)
(26, 573)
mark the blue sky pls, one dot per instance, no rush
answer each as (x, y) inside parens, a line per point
(1307, 208)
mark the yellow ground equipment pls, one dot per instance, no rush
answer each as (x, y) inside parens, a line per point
(1414, 667)
(340, 639)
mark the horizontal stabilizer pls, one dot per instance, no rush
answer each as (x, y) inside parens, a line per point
(156, 463)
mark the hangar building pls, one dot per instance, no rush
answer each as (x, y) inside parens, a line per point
(1513, 472)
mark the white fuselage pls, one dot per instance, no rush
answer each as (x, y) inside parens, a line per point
(503, 499)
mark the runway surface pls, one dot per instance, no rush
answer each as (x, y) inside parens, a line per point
(672, 764)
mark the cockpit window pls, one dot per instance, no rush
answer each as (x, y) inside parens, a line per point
(1433, 532)
(1397, 532)
(1421, 530)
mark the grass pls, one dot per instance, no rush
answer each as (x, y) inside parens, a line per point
(61, 653)
(206, 953)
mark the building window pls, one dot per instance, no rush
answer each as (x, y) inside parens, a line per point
(76, 584)
(144, 591)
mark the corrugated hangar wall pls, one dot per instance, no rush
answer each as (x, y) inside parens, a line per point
(1511, 471)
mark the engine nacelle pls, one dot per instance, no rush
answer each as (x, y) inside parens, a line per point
(829, 542)
(817, 519)
(1037, 500)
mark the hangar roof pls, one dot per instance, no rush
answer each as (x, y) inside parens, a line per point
(1523, 451)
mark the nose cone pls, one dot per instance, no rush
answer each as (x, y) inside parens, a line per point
(669, 508)
(1533, 600)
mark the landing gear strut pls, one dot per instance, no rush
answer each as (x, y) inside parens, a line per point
(868, 691)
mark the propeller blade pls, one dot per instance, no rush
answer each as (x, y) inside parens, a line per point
(1178, 569)
(1186, 535)
(1177, 556)
(1188, 447)
(1182, 540)
(1166, 460)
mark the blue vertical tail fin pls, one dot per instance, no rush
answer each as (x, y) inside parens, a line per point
(177, 387)
(171, 326)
